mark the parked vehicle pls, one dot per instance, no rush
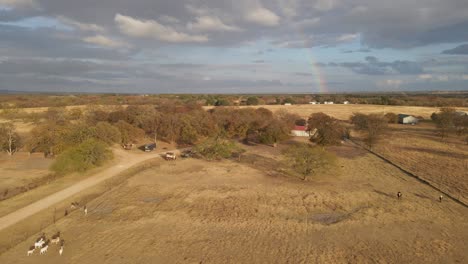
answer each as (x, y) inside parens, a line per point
(170, 156)
(150, 147)
(187, 154)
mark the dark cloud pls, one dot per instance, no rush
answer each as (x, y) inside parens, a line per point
(460, 50)
(373, 66)
(46, 42)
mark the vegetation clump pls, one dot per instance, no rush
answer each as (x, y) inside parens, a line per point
(217, 149)
(87, 155)
(326, 130)
(373, 125)
(308, 160)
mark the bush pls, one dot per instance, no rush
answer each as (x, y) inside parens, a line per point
(392, 118)
(216, 149)
(83, 157)
(373, 125)
(308, 160)
(329, 130)
(252, 100)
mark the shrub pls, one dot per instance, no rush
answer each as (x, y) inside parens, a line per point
(329, 130)
(308, 160)
(392, 118)
(216, 149)
(83, 157)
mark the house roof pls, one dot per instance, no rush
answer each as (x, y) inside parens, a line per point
(403, 115)
(300, 128)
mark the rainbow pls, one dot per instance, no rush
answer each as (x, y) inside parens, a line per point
(317, 73)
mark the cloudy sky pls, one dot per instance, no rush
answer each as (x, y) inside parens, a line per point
(225, 46)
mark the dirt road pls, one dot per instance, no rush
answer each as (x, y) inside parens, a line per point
(127, 162)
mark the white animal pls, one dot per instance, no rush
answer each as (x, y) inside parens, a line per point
(31, 250)
(61, 251)
(44, 249)
(85, 210)
(55, 240)
(39, 244)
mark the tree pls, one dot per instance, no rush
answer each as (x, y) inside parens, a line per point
(308, 160)
(129, 133)
(107, 133)
(288, 100)
(217, 148)
(85, 156)
(373, 125)
(252, 100)
(329, 131)
(274, 132)
(444, 121)
(392, 118)
(9, 139)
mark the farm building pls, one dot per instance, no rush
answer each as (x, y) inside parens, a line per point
(346, 102)
(300, 131)
(313, 102)
(407, 119)
(326, 102)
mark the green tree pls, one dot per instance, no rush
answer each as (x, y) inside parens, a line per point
(308, 160)
(217, 148)
(85, 156)
(252, 100)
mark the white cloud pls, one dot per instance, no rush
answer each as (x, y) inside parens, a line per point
(19, 3)
(425, 76)
(81, 26)
(152, 29)
(210, 23)
(262, 16)
(105, 41)
(392, 83)
(347, 37)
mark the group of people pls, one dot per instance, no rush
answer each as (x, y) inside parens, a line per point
(400, 195)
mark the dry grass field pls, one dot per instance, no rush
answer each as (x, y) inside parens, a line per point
(21, 170)
(343, 112)
(419, 150)
(192, 211)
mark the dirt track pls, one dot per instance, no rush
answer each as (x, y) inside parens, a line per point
(129, 161)
(194, 211)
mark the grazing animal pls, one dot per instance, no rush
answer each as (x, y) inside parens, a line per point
(440, 198)
(74, 205)
(399, 195)
(44, 249)
(61, 250)
(31, 250)
(56, 238)
(39, 244)
(85, 210)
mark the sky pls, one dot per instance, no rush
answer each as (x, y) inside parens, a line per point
(225, 46)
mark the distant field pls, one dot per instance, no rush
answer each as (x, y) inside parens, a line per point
(193, 211)
(419, 150)
(343, 112)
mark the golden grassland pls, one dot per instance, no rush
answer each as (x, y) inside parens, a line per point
(193, 211)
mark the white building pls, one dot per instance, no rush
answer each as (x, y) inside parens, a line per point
(407, 119)
(346, 102)
(300, 131)
(313, 102)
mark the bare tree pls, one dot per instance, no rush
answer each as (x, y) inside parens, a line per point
(10, 140)
(373, 125)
